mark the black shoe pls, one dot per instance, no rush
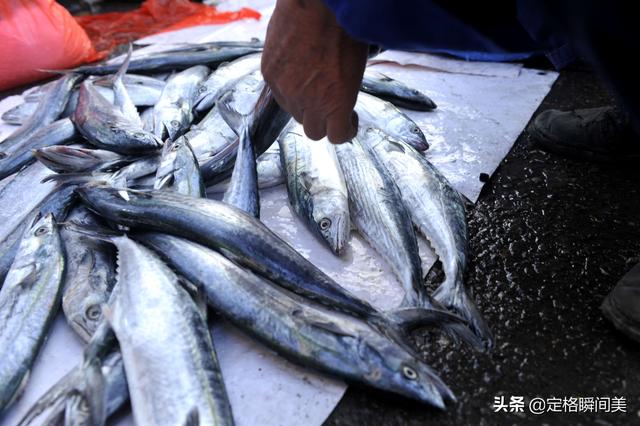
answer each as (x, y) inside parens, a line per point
(595, 134)
(622, 305)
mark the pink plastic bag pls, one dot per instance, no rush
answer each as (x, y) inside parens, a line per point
(38, 35)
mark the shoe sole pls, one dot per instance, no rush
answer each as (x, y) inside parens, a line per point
(619, 320)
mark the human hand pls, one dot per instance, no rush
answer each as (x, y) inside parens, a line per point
(314, 68)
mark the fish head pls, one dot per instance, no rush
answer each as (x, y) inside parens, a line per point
(34, 247)
(145, 141)
(410, 133)
(205, 98)
(331, 216)
(87, 312)
(391, 367)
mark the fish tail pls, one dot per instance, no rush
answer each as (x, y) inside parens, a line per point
(452, 295)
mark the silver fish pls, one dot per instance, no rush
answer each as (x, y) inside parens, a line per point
(90, 273)
(300, 330)
(161, 330)
(437, 211)
(28, 302)
(57, 133)
(49, 109)
(374, 112)
(396, 92)
(173, 60)
(19, 113)
(179, 170)
(173, 114)
(270, 172)
(76, 159)
(316, 186)
(380, 216)
(106, 127)
(210, 136)
(58, 203)
(223, 78)
(265, 119)
(143, 90)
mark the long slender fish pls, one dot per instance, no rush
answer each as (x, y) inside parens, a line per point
(316, 187)
(76, 159)
(49, 109)
(161, 330)
(299, 330)
(28, 302)
(437, 211)
(57, 133)
(380, 216)
(105, 126)
(396, 92)
(223, 227)
(179, 170)
(58, 203)
(91, 272)
(173, 60)
(223, 78)
(378, 113)
(172, 114)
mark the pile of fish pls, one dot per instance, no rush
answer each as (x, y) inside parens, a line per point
(128, 244)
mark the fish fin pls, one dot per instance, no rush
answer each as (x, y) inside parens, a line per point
(233, 118)
(411, 317)
(193, 418)
(456, 299)
(432, 312)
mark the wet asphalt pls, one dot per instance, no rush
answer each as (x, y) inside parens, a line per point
(550, 237)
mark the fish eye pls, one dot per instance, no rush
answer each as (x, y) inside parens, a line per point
(409, 373)
(415, 91)
(175, 123)
(325, 223)
(139, 135)
(40, 231)
(202, 89)
(415, 129)
(93, 312)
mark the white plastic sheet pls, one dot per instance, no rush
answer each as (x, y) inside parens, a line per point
(482, 108)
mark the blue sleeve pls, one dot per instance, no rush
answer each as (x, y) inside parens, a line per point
(458, 28)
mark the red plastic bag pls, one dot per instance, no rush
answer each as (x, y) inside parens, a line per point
(38, 35)
(109, 30)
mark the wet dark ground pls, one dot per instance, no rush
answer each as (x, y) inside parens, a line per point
(549, 239)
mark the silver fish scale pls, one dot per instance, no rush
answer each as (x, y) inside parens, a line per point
(161, 332)
(379, 215)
